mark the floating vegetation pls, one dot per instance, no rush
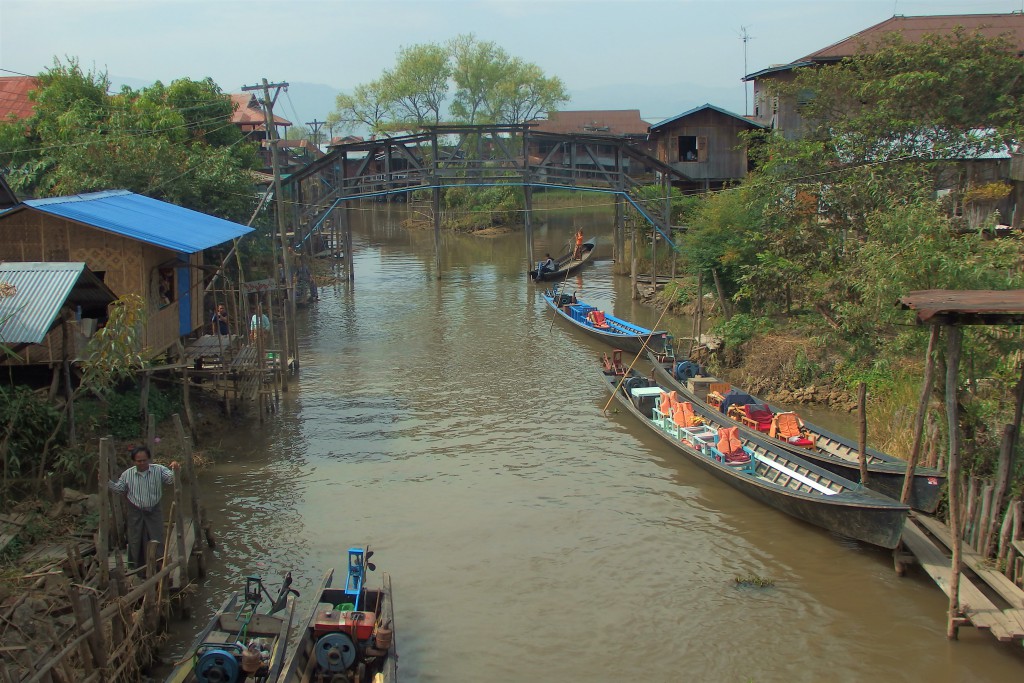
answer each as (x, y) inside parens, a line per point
(755, 581)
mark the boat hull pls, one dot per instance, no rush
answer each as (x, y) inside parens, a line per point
(566, 264)
(631, 342)
(223, 629)
(885, 475)
(301, 666)
(854, 512)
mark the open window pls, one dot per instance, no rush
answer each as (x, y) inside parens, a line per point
(165, 286)
(693, 148)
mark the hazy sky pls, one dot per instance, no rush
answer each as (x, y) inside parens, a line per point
(341, 43)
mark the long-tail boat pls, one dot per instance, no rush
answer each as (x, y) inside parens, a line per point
(755, 466)
(835, 453)
(349, 635)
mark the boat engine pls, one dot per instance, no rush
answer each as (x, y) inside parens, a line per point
(335, 652)
(219, 665)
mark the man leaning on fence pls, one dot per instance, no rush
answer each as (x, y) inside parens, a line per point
(143, 486)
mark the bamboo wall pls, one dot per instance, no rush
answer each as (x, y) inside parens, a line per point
(124, 264)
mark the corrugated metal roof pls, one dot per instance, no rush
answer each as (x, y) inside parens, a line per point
(39, 291)
(966, 307)
(752, 124)
(141, 218)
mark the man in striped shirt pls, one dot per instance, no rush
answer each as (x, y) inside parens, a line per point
(143, 486)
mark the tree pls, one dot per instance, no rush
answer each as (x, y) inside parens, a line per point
(417, 86)
(523, 93)
(490, 86)
(174, 143)
(366, 106)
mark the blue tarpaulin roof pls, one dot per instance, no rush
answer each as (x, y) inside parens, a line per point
(141, 218)
(32, 294)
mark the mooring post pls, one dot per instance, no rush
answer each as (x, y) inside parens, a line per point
(528, 220)
(862, 440)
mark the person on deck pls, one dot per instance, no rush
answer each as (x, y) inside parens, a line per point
(578, 251)
(143, 487)
(546, 266)
(219, 321)
(259, 324)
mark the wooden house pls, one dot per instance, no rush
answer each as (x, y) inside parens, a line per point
(783, 114)
(704, 144)
(250, 119)
(134, 244)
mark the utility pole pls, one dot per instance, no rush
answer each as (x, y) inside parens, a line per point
(268, 117)
(316, 126)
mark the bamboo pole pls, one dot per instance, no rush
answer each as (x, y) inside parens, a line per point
(862, 441)
(190, 475)
(953, 345)
(922, 410)
(103, 529)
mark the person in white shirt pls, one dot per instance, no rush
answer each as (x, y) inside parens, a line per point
(143, 487)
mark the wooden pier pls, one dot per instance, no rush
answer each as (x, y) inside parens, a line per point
(988, 599)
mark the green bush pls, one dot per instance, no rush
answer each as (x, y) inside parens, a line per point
(124, 419)
(741, 328)
(26, 422)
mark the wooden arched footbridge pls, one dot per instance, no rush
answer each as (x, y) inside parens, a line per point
(490, 155)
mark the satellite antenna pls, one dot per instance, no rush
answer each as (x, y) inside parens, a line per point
(746, 38)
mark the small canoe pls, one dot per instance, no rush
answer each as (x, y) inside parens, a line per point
(617, 332)
(758, 468)
(835, 453)
(240, 640)
(349, 635)
(566, 263)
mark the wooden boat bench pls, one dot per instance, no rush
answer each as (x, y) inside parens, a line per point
(793, 474)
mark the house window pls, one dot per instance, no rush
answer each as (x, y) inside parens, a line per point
(166, 280)
(687, 148)
(693, 148)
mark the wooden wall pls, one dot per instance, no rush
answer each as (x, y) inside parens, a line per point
(125, 265)
(721, 154)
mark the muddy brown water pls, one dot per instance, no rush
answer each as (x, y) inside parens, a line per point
(450, 425)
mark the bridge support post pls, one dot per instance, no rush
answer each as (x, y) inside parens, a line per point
(437, 229)
(528, 197)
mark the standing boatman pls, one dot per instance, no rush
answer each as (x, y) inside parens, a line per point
(579, 244)
(143, 486)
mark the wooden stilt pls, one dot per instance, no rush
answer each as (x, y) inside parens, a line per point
(103, 530)
(922, 409)
(953, 345)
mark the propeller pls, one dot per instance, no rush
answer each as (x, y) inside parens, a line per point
(370, 566)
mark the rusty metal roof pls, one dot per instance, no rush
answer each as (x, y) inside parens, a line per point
(597, 122)
(966, 307)
(249, 114)
(32, 294)
(14, 101)
(914, 29)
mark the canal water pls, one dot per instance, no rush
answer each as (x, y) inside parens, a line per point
(455, 428)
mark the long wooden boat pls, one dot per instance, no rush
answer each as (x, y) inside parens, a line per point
(241, 641)
(599, 325)
(566, 263)
(826, 449)
(760, 469)
(349, 635)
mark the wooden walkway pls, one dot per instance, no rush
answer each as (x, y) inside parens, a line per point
(988, 600)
